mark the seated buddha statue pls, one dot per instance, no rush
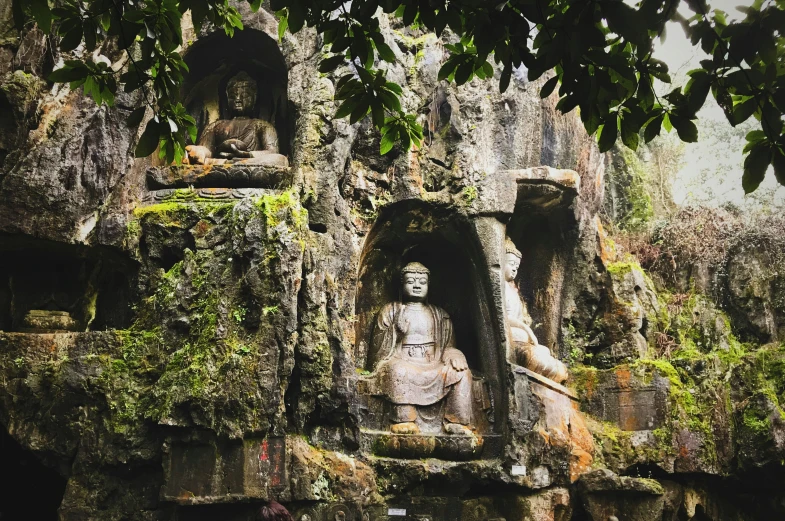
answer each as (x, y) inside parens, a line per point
(527, 350)
(242, 137)
(418, 367)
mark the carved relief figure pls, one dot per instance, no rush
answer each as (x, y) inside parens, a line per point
(240, 137)
(419, 368)
(528, 351)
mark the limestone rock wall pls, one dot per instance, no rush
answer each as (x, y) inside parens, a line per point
(218, 349)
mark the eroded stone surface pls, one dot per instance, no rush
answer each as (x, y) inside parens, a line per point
(246, 316)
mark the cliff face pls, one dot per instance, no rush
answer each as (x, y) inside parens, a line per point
(198, 348)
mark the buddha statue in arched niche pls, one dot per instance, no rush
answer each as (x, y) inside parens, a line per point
(527, 351)
(418, 367)
(241, 137)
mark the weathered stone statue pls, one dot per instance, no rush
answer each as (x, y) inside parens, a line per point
(528, 352)
(419, 369)
(242, 137)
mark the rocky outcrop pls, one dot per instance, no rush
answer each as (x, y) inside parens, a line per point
(220, 331)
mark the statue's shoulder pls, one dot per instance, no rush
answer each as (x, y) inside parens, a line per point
(390, 308)
(386, 315)
(213, 126)
(263, 124)
(439, 312)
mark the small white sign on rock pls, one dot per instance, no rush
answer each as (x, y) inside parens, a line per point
(518, 470)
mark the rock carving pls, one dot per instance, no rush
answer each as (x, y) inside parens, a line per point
(240, 137)
(527, 350)
(419, 368)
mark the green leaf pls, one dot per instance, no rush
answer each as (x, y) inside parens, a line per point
(742, 111)
(359, 112)
(296, 17)
(686, 129)
(464, 72)
(390, 100)
(645, 92)
(547, 89)
(331, 63)
(608, 133)
(41, 14)
(666, 123)
(454, 19)
(385, 53)
(149, 140)
(68, 74)
(283, 24)
(487, 69)
(394, 87)
(135, 117)
(388, 141)
(755, 166)
(447, 69)
(778, 162)
(629, 134)
(409, 13)
(377, 113)
(504, 81)
(653, 128)
(347, 107)
(71, 39)
(626, 22)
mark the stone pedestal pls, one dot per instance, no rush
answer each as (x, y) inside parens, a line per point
(561, 422)
(231, 181)
(444, 446)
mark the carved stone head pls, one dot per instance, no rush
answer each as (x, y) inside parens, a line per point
(414, 279)
(512, 260)
(241, 94)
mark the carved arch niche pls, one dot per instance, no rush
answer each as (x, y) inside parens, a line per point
(214, 59)
(448, 245)
(544, 228)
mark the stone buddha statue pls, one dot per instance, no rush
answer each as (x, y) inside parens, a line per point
(527, 350)
(418, 367)
(242, 137)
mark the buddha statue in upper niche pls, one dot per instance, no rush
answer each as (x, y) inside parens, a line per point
(418, 367)
(241, 137)
(527, 350)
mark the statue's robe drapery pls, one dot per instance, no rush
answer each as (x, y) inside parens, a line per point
(256, 134)
(420, 382)
(528, 352)
(517, 313)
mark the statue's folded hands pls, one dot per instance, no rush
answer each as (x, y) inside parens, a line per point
(242, 136)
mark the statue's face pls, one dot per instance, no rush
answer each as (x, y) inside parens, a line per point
(511, 267)
(415, 286)
(242, 97)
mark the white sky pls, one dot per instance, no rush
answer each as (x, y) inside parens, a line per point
(712, 167)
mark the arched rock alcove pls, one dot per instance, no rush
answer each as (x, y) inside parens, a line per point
(544, 228)
(447, 243)
(31, 490)
(214, 59)
(46, 286)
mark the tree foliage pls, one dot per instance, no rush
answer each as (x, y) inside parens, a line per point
(600, 51)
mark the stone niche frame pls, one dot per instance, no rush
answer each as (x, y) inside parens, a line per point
(544, 227)
(51, 287)
(451, 246)
(214, 59)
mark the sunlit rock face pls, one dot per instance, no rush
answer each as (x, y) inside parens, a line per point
(187, 341)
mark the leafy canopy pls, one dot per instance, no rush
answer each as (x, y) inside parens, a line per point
(600, 51)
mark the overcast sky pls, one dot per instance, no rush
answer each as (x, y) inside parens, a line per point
(714, 159)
